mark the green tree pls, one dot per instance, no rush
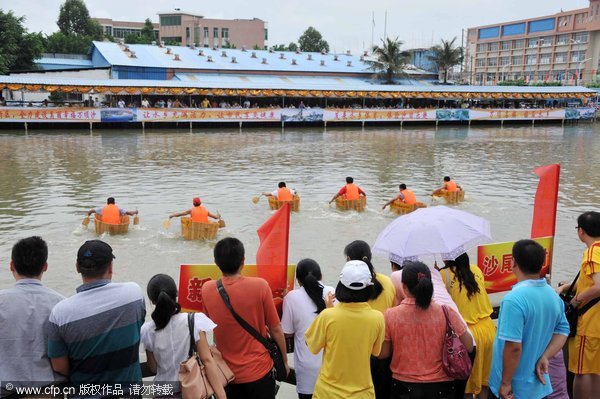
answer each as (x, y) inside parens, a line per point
(390, 60)
(312, 41)
(227, 44)
(292, 46)
(446, 56)
(18, 48)
(280, 47)
(74, 19)
(58, 42)
(148, 30)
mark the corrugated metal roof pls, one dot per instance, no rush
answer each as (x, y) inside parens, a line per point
(234, 59)
(289, 83)
(64, 61)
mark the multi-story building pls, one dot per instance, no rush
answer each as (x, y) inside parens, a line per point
(186, 29)
(121, 29)
(563, 47)
(419, 57)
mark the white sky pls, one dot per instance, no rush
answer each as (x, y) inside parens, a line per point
(345, 24)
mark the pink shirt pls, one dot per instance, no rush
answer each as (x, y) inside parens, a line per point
(440, 294)
(417, 339)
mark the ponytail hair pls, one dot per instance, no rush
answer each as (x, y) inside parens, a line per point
(162, 291)
(461, 267)
(360, 250)
(417, 278)
(308, 273)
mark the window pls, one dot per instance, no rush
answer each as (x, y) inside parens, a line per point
(561, 40)
(577, 56)
(492, 62)
(123, 32)
(531, 59)
(533, 43)
(197, 35)
(171, 39)
(225, 33)
(518, 60)
(504, 61)
(519, 44)
(187, 33)
(581, 37)
(506, 45)
(560, 57)
(266, 34)
(580, 18)
(545, 59)
(215, 33)
(564, 21)
(491, 77)
(494, 46)
(206, 31)
(481, 62)
(170, 20)
(481, 47)
(547, 41)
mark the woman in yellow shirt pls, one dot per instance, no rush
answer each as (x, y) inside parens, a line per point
(466, 285)
(383, 298)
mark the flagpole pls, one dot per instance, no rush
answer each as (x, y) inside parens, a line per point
(373, 30)
(385, 26)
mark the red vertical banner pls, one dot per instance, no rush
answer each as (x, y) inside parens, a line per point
(546, 201)
(272, 254)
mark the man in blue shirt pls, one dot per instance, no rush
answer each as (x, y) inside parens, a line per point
(531, 329)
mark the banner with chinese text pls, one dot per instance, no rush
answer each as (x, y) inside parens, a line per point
(192, 277)
(495, 260)
(516, 114)
(66, 114)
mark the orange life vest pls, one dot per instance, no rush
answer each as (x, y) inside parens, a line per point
(352, 192)
(284, 194)
(199, 214)
(450, 186)
(409, 197)
(111, 214)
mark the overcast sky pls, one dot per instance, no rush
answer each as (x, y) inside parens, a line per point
(345, 24)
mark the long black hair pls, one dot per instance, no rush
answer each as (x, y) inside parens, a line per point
(360, 250)
(417, 278)
(162, 291)
(462, 270)
(308, 273)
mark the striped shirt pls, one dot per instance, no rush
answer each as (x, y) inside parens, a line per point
(98, 329)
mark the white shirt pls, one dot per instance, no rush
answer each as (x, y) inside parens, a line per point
(170, 345)
(121, 104)
(298, 314)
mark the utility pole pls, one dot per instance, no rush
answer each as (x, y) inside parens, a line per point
(373, 30)
(385, 26)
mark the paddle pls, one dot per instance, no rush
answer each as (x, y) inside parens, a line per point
(255, 199)
(86, 221)
(136, 218)
(221, 221)
(166, 224)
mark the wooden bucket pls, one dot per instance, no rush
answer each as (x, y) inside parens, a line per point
(400, 208)
(198, 231)
(112, 229)
(454, 197)
(351, 205)
(294, 203)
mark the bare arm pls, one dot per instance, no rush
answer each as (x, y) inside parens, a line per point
(178, 214)
(556, 344)
(334, 197)
(467, 340)
(589, 294)
(386, 350)
(132, 213)
(266, 194)
(60, 365)
(212, 370)
(212, 215)
(397, 197)
(91, 211)
(277, 335)
(151, 361)
(510, 360)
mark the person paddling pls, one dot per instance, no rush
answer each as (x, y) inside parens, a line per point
(449, 186)
(350, 191)
(283, 193)
(198, 214)
(405, 196)
(111, 213)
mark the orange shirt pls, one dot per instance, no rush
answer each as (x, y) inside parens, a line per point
(284, 194)
(252, 299)
(450, 186)
(417, 337)
(352, 191)
(199, 214)
(111, 214)
(409, 197)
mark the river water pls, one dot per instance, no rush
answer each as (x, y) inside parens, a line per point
(48, 179)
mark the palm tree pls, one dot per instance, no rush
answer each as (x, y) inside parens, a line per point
(446, 56)
(390, 60)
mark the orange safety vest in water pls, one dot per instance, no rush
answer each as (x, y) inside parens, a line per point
(409, 197)
(111, 214)
(451, 186)
(199, 214)
(352, 192)
(284, 194)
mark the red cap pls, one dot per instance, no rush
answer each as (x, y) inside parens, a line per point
(197, 201)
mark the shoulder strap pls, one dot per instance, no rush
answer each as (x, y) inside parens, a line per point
(449, 329)
(251, 330)
(192, 349)
(572, 285)
(588, 306)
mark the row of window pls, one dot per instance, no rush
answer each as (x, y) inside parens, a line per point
(546, 41)
(532, 59)
(546, 75)
(123, 32)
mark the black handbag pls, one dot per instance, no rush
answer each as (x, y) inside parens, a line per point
(571, 312)
(268, 343)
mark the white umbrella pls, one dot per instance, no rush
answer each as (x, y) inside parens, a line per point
(435, 231)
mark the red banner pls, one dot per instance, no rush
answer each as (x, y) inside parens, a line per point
(272, 254)
(546, 201)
